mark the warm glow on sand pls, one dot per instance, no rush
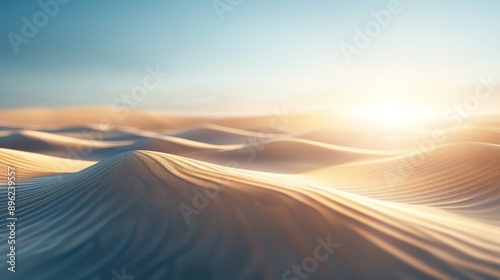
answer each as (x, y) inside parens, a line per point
(280, 185)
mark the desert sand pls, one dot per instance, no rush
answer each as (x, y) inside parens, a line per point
(180, 197)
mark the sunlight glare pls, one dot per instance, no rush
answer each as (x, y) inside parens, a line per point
(393, 114)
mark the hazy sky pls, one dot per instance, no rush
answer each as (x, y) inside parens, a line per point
(257, 55)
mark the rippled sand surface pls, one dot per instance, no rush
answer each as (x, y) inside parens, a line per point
(171, 197)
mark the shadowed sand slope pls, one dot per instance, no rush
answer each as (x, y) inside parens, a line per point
(289, 155)
(127, 209)
(221, 135)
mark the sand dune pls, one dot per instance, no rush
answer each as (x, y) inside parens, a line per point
(276, 155)
(172, 197)
(221, 135)
(32, 165)
(94, 132)
(58, 145)
(475, 134)
(462, 177)
(365, 139)
(92, 149)
(128, 194)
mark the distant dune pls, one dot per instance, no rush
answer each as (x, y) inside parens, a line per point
(174, 197)
(32, 165)
(289, 155)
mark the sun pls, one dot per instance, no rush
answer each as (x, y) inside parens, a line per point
(393, 113)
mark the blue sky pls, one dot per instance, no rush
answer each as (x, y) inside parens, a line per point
(262, 54)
